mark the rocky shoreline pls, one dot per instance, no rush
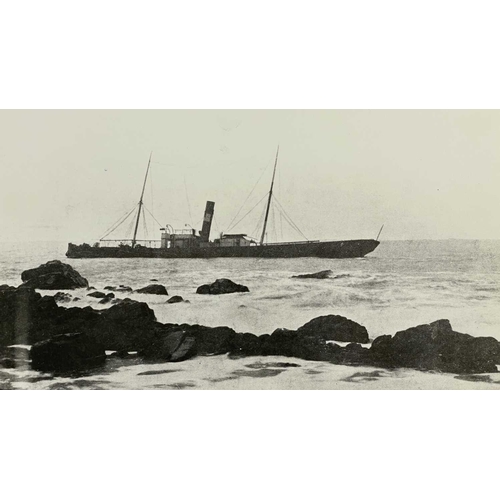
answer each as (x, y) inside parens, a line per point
(65, 339)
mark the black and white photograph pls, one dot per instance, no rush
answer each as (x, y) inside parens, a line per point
(250, 249)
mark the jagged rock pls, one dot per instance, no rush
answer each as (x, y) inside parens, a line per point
(221, 286)
(334, 327)
(153, 289)
(321, 275)
(21, 310)
(120, 354)
(355, 354)
(128, 325)
(54, 275)
(96, 295)
(172, 346)
(108, 298)
(437, 347)
(67, 352)
(62, 297)
(121, 288)
(175, 299)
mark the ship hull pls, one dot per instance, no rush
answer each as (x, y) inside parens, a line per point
(320, 249)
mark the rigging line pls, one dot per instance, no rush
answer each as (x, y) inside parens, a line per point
(259, 224)
(151, 184)
(246, 199)
(294, 226)
(290, 219)
(258, 203)
(187, 198)
(145, 226)
(156, 220)
(119, 223)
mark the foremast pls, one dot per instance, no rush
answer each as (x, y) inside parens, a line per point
(141, 203)
(269, 199)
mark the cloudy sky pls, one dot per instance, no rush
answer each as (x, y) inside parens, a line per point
(69, 175)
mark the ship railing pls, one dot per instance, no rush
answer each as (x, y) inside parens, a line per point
(293, 243)
(144, 243)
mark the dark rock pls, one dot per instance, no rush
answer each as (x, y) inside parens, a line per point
(67, 352)
(14, 357)
(120, 354)
(62, 297)
(97, 295)
(21, 311)
(54, 275)
(108, 298)
(171, 346)
(334, 327)
(128, 325)
(175, 299)
(121, 288)
(437, 347)
(76, 299)
(153, 289)
(216, 340)
(355, 354)
(153, 279)
(221, 286)
(321, 275)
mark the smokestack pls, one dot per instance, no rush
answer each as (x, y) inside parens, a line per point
(207, 221)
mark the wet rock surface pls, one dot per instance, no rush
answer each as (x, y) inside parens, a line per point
(63, 297)
(54, 275)
(221, 286)
(436, 346)
(321, 275)
(175, 299)
(67, 352)
(334, 327)
(153, 289)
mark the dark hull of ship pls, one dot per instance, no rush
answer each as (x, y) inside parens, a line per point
(321, 249)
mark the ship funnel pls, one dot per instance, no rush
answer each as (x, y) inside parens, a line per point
(207, 221)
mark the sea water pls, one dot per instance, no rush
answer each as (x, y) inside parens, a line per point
(400, 285)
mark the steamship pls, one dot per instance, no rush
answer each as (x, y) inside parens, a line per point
(186, 244)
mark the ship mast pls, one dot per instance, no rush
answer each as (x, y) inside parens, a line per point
(269, 199)
(140, 202)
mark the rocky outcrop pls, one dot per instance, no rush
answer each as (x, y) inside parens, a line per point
(96, 295)
(221, 286)
(175, 299)
(334, 327)
(120, 288)
(437, 347)
(126, 326)
(67, 352)
(21, 311)
(108, 298)
(54, 275)
(63, 297)
(153, 289)
(173, 346)
(321, 275)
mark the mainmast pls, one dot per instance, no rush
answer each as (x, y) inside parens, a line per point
(269, 199)
(140, 202)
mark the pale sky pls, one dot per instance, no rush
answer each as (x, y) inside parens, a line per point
(69, 175)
